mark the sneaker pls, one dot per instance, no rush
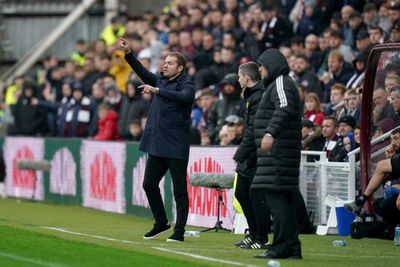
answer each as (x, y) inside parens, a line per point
(247, 240)
(256, 245)
(156, 231)
(175, 238)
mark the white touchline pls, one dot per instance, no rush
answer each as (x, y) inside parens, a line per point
(94, 236)
(30, 260)
(62, 230)
(142, 243)
(203, 257)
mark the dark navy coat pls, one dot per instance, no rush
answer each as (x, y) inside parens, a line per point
(167, 131)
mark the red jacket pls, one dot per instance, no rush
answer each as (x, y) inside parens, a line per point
(108, 127)
(316, 117)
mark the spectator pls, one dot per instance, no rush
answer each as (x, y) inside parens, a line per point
(376, 35)
(231, 104)
(357, 25)
(352, 104)
(381, 108)
(346, 125)
(133, 107)
(135, 130)
(78, 56)
(338, 72)
(120, 70)
(113, 31)
(310, 22)
(359, 64)
(336, 43)
(274, 29)
(363, 43)
(108, 120)
(79, 115)
(337, 105)
(306, 76)
(333, 142)
(395, 102)
(312, 109)
(385, 21)
(28, 118)
(312, 138)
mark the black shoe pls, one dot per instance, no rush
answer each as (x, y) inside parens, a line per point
(256, 245)
(156, 231)
(271, 254)
(247, 240)
(175, 237)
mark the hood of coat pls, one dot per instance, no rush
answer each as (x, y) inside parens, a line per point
(274, 62)
(110, 116)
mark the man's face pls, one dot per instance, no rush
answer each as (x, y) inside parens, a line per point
(374, 36)
(334, 64)
(379, 98)
(395, 100)
(336, 96)
(243, 80)
(395, 141)
(300, 66)
(207, 102)
(390, 83)
(171, 68)
(344, 128)
(351, 100)
(328, 129)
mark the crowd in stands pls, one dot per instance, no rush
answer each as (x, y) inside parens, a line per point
(95, 94)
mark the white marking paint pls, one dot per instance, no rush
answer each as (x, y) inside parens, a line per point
(203, 257)
(143, 243)
(30, 260)
(94, 236)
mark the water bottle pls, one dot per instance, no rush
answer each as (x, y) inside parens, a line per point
(192, 234)
(397, 235)
(273, 263)
(339, 243)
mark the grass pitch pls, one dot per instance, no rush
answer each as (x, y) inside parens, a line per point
(38, 234)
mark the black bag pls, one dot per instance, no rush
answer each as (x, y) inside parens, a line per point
(367, 227)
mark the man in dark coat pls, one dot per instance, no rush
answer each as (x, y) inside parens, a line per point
(277, 133)
(246, 155)
(166, 137)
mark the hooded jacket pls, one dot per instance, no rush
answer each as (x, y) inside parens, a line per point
(231, 104)
(279, 114)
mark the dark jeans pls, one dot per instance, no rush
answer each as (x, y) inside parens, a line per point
(242, 194)
(156, 168)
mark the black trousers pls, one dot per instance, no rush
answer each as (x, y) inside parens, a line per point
(262, 214)
(282, 206)
(156, 168)
(242, 194)
(387, 209)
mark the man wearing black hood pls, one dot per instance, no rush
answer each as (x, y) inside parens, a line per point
(277, 133)
(231, 104)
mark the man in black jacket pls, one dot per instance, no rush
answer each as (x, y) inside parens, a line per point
(246, 155)
(277, 133)
(166, 137)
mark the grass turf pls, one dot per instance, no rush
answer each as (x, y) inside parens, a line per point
(94, 238)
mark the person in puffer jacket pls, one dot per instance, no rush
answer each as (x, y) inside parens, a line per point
(277, 133)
